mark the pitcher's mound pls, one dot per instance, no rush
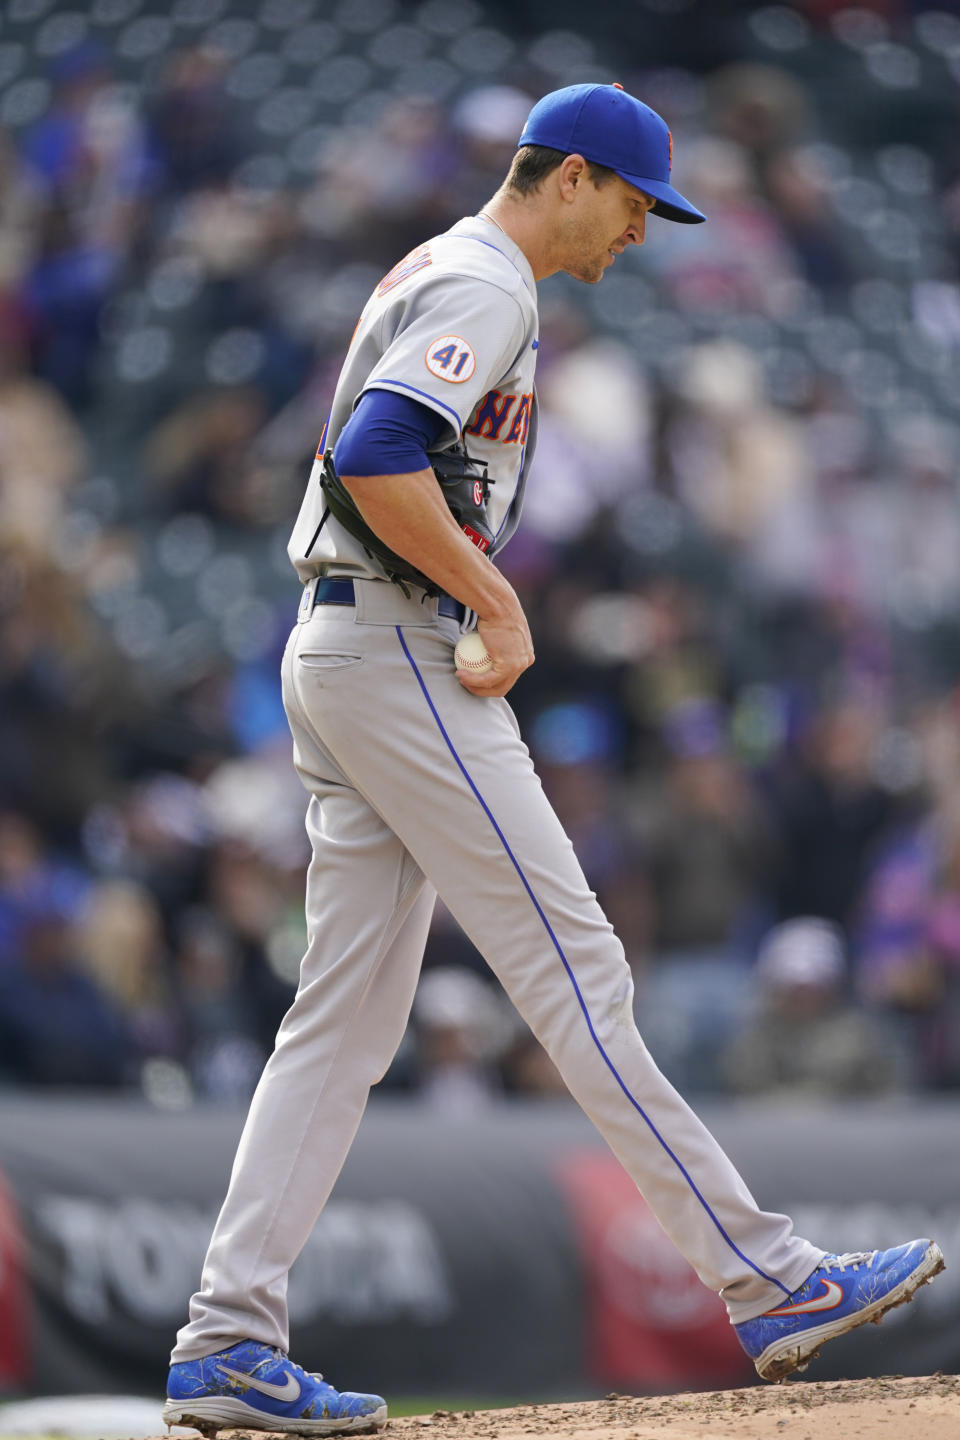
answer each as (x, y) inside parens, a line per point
(893, 1408)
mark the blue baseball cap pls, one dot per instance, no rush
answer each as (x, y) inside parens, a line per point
(606, 125)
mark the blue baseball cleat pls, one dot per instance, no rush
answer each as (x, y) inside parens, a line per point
(843, 1292)
(259, 1388)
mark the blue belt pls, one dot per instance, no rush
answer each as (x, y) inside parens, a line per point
(341, 592)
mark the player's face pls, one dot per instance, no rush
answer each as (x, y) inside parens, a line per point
(605, 221)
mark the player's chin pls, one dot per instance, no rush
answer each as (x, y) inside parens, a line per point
(592, 274)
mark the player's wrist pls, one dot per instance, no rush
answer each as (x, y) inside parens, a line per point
(500, 615)
(494, 599)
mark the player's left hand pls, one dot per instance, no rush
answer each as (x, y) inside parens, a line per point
(510, 648)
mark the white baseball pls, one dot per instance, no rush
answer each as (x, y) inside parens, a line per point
(471, 654)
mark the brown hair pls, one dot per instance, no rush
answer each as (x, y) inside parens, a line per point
(533, 163)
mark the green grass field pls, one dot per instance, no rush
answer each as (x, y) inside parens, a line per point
(415, 1405)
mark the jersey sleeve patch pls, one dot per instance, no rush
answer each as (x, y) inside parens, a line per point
(450, 357)
(417, 259)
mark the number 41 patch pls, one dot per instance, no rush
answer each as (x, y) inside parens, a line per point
(450, 358)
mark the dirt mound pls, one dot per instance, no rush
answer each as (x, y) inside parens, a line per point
(891, 1407)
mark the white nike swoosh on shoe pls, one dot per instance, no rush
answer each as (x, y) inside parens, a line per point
(828, 1300)
(287, 1393)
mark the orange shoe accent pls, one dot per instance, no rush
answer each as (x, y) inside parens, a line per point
(828, 1300)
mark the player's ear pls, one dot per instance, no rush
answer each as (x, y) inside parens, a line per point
(573, 169)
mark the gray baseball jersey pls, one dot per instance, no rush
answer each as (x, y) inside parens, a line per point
(454, 325)
(418, 787)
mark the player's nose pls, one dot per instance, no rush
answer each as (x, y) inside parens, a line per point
(636, 230)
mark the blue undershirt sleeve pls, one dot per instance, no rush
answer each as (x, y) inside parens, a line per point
(387, 434)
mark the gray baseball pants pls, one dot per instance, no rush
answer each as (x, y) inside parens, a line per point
(418, 788)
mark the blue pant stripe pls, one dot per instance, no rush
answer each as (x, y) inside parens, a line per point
(572, 978)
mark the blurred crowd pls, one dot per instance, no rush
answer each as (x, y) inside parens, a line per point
(739, 554)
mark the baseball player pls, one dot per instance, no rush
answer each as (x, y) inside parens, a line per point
(420, 784)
